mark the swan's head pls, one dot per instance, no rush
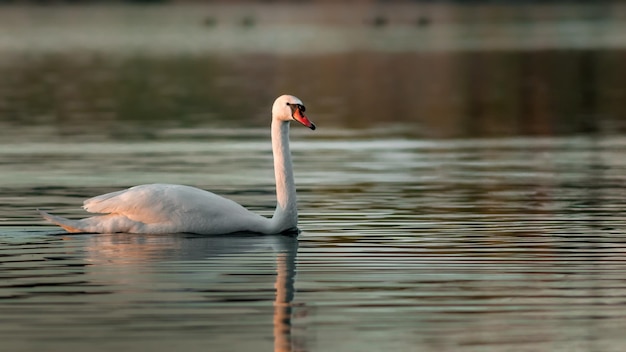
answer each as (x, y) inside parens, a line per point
(288, 107)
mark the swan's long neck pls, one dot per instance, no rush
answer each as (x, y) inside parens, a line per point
(286, 214)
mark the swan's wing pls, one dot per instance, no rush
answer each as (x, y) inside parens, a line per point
(124, 201)
(105, 203)
(149, 204)
(162, 202)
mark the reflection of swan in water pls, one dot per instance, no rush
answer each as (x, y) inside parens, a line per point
(162, 209)
(137, 255)
(283, 304)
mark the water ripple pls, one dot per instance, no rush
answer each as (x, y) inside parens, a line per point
(469, 245)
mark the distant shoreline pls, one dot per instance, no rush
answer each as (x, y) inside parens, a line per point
(316, 29)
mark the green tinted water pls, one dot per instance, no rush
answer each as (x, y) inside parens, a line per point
(507, 234)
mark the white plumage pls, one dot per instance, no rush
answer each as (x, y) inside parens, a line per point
(167, 208)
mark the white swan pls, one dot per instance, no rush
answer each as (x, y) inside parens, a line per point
(165, 208)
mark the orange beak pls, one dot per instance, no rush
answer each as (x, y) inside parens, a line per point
(299, 116)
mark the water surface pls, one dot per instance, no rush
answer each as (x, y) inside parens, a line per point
(463, 192)
(477, 245)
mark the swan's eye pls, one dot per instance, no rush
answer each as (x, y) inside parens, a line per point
(293, 107)
(296, 107)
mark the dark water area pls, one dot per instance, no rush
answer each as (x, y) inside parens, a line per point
(468, 71)
(451, 94)
(464, 190)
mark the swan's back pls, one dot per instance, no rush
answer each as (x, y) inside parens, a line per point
(176, 208)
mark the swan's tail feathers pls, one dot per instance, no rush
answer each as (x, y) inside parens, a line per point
(67, 224)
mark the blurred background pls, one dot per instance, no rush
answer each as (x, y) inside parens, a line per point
(435, 69)
(464, 190)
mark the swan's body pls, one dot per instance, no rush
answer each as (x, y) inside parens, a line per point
(165, 208)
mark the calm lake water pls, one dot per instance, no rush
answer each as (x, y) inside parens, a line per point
(474, 244)
(463, 195)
